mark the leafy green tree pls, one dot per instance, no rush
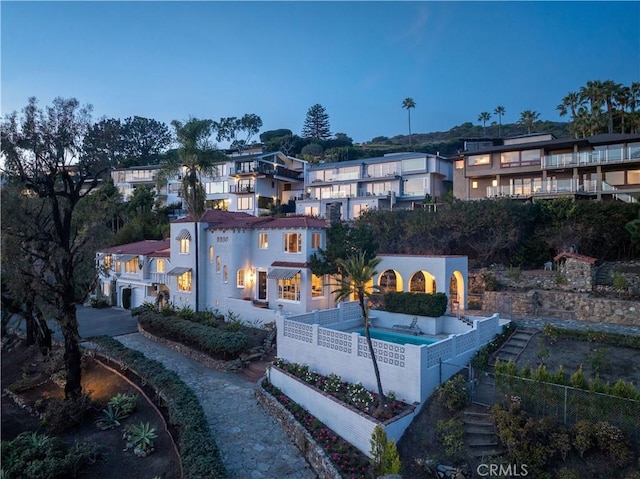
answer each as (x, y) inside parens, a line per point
(633, 227)
(267, 136)
(42, 151)
(316, 124)
(105, 143)
(408, 104)
(484, 117)
(528, 118)
(499, 111)
(358, 273)
(230, 128)
(144, 141)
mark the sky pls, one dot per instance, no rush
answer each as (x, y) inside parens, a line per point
(359, 60)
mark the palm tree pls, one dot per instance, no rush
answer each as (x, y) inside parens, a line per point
(633, 103)
(357, 273)
(571, 103)
(408, 103)
(197, 156)
(609, 90)
(622, 98)
(484, 117)
(500, 111)
(528, 118)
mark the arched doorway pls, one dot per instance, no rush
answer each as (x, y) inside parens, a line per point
(457, 301)
(390, 281)
(422, 282)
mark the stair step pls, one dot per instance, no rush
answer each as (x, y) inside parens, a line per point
(473, 430)
(477, 414)
(477, 422)
(480, 442)
(486, 452)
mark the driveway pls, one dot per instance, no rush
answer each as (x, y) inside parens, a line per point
(97, 322)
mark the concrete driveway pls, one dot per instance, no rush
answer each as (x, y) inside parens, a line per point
(97, 322)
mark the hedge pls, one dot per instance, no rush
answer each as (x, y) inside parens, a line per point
(432, 305)
(213, 341)
(198, 451)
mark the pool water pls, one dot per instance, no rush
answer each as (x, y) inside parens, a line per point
(397, 338)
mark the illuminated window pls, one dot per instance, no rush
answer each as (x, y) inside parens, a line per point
(217, 264)
(225, 274)
(289, 289)
(263, 240)
(459, 164)
(106, 289)
(245, 203)
(184, 281)
(184, 245)
(494, 182)
(211, 254)
(292, 242)
(317, 286)
(474, 185)
(160, 266)
(108, 261)
(118, 266)
(315, 240)
(240, 278)
(478, 160)
(311, 211)
(131, 266)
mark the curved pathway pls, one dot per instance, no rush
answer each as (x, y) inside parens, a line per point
(253, 445)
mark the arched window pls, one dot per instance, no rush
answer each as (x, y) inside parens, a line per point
(217, 264)
(211, 254)
(225, 274)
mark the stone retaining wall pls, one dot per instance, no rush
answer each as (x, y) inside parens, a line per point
(563, 304)
(313, 453)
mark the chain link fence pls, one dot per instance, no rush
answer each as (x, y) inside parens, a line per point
(568, 404)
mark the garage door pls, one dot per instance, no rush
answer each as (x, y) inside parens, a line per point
(137, 297)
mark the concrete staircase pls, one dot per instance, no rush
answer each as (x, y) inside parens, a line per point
(513, 347)
(480, 435)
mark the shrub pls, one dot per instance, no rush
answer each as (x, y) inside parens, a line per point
(583, 436)
(450, 433)
(199, 453)
(420, 304)
(613, 441)
(62, 415)
(490, 281)
(33, 455)
(99, 302)
(385, 457)
(145, 307)
(453, 394)
(140, 437)
(480, 360)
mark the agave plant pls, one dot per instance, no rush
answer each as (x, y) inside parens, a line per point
(140, 437)
(110, 417)
(126, 403)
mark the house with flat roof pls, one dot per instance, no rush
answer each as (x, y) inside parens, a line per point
(540, 166)
(345, 189)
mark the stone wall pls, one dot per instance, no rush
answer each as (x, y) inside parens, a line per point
(562, 304)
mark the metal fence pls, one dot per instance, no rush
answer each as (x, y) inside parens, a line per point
(569, 404)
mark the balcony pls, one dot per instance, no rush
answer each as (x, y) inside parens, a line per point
(241, 189)
(544, 188)
(160, 278)
(598, 157)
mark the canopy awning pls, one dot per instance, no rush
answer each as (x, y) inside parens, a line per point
(178, 270)
(184, 234)
(282, 273)
(126, 257)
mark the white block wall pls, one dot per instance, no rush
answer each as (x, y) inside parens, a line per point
(352, 425)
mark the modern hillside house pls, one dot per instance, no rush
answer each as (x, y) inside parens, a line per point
(602, 167)
(345, 189)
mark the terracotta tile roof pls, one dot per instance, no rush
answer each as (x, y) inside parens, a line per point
(158, 248)
(219, 219)
(579, 257)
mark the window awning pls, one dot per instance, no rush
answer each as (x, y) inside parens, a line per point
(282, 273)
(178, 270)
(184, 234)
(126, 257)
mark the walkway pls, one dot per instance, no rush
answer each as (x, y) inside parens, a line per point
(253, 445)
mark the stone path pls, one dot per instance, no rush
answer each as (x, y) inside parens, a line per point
(252, 443)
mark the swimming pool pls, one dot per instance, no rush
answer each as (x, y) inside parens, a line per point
(397, 338)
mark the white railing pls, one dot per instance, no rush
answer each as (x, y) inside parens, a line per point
(598, 157)
(569, 185)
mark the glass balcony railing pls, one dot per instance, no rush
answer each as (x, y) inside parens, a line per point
(597, 157)
(549, 187)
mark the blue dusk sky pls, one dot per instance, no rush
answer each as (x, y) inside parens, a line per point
(175, 60)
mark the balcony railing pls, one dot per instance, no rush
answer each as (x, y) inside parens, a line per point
(241, 189)
(160, 278)
(549, 187)
(599, 157)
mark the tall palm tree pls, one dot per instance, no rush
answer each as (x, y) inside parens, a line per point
(500, 111)
(609, 91)
(633, 103)
(408, 103)
(197, 157)
(622, 98)
(594, 93)
(357, 273)
(571, 103)
(528, 118)
(484, 117)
